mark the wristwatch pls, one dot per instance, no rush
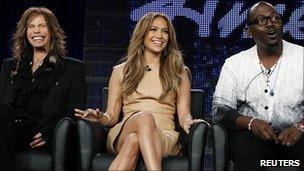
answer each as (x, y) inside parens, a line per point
(300, 127)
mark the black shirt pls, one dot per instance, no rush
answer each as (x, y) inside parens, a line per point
(31, 89)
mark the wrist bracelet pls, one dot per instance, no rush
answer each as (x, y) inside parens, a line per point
(99, 116)
(109, 119)
(300, 127)
(250, 122)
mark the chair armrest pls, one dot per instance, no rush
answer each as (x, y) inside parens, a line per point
(64, 133)
(220, 146)
(196, 146)
(92, 139)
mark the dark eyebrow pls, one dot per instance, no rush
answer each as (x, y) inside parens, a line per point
(37, 24)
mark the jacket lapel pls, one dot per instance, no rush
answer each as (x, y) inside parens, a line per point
(58, 72)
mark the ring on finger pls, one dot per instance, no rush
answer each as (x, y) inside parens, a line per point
(288, 144)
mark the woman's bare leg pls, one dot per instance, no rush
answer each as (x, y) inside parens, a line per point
(128, 154)
(143, 124)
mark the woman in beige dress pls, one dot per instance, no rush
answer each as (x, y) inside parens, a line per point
(150, 87)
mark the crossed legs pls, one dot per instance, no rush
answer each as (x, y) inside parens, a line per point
(139, 134)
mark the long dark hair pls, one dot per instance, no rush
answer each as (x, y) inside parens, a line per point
(171, 62)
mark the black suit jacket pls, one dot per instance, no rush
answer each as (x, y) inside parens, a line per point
(68, 91)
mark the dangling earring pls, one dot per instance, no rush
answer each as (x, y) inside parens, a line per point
(165, 52)
(142, 49)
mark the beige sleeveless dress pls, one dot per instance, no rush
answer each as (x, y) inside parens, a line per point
(146, 99)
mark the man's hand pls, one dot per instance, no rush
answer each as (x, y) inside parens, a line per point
(37, 141)
(262, 129)
(289, 136)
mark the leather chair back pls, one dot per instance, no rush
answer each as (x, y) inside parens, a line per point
(60, 160)
(94, 156)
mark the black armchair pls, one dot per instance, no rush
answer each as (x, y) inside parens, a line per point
(59, 160)
(220, 151)
(94, 156)
(220, 146)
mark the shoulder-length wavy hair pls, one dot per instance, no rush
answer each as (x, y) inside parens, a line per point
(171, 62)
(21, 46)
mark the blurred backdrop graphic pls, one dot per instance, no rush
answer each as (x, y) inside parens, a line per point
(98, 31)
(207, 31)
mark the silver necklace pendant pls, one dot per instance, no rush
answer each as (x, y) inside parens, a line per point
(37, 63)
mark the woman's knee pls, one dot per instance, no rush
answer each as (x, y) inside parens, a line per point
(132, 144)
(146, 120)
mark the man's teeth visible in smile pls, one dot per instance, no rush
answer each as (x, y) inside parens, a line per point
(38, 37)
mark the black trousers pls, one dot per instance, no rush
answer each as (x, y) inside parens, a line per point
(247, 150)
(15, 135)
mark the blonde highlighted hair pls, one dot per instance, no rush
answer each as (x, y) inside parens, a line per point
(171, 61)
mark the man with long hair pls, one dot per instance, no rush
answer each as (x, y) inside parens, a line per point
(38, 85)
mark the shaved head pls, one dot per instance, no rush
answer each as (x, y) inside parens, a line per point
(254, 7)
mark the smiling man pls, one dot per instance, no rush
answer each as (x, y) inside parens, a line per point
(38, 86)
(259, 96)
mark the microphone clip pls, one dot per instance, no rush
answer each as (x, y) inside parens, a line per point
(148, 68)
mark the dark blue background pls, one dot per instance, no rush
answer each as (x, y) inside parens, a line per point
(98, 32)
(109, 25)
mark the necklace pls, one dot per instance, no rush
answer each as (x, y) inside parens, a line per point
(37, 63)
(267, 73)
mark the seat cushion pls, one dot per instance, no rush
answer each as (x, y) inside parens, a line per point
(175, 163)
(33, 161)
(102, 161)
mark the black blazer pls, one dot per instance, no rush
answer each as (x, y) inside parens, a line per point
(68, 82)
